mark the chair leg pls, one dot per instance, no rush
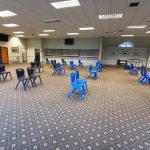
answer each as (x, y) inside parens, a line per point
(24, 85)
(10, 75)
(80, 93)
(40, 79)
(72, 91)
(17, 85)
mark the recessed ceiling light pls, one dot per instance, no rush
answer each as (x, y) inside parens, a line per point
(73, 33)
(19, 35)
(43, 34)
(48, 30)
(137, 27)
(127, 35)
(66, 4)
(10, 25)
(110, 16)
(86, 28)
(147, 32)
(7, 13)
(18, 32)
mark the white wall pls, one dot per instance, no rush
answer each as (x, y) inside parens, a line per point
(14, 42)
(110, 58)
(33, 44)
(79, 43)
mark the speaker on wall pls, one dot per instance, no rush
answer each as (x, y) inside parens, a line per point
(3, 37)
(69, 41)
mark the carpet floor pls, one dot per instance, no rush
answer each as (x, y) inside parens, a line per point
(114, 115)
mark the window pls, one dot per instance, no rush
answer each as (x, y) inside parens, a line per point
(126, 44)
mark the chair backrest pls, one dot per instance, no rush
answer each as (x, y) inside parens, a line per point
(58, 65)
(97, 63)
(52, 61)
(72, 77)
(63, 60)
(55, 61)
(132, 66)
(90, 68)
(33, 64)
(54, 66)
(79, 61)
(38, 64)
(30, 71)
(2, 68)
(77, 74)
(71, 63)
(20, 73)
(143, 72)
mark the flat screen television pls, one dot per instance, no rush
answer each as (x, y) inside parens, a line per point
(3, 37)
(69, 41)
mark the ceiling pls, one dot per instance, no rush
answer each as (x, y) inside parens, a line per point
(32, 13)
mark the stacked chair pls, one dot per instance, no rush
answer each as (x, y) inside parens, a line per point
(92, 72)
(72, 65)
(145, 77)
(99, 66)
(80, 64)
(3, 73)
(78, 84)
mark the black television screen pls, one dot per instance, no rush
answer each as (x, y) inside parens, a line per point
(3, 37)
(69, 41)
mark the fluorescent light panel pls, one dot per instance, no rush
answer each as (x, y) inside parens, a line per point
(18, 32)
(48, 30)
(127, 35)
(19, 35)
(110, 16)
(10, 25)
(86, 28)
(7, 13)
(137, 27)
(73, 33)
(43, 34)
(147, 32)
(66, 4)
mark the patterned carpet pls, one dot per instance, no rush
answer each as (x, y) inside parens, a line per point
(115, 113)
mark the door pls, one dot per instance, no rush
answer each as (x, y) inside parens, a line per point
(24, 54)
(0, 56)
(4, 53)
(37, 55)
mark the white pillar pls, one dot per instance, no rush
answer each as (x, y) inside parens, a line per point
(100, 48)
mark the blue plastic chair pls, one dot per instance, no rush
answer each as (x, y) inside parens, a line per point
(80, 64)
(99, 66)
(92, 72)
(134, 71)
(72, 65)
(142, 75)
(76, 86)
(145, 77)
(60, 69)
(84, 81)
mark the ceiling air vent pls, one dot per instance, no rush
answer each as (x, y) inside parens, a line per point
(52, 21)
(134, 4)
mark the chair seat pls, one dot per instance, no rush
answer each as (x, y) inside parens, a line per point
(82, 80)
(93, 71)
(77, 85)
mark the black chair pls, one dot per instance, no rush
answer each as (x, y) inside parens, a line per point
(33, 77)
(39, 66)
(55, 69)
(51, 64)
(47, 61)
(64, 62)
(21, 78)
(4, 73)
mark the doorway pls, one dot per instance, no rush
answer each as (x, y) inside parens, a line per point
(4, 55)
(37, 55)
(24, 54)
